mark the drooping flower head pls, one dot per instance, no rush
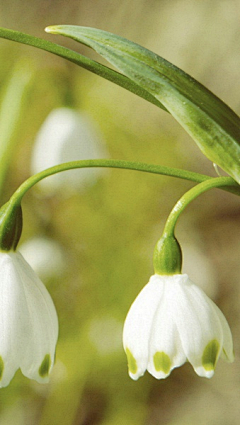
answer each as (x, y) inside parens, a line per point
(28, 319)
(173, 321)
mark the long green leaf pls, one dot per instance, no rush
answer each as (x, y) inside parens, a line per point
(210, 122)
(84, 62)
(11, 110)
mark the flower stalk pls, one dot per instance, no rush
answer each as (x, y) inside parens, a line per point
(227, 183)
(189, 196)
(167, 257)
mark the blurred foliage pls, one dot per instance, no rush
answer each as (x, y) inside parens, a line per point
(108, 232)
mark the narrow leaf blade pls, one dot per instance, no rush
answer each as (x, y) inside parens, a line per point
(80, 60)
(210, 122)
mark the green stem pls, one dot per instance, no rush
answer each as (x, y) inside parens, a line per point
(127, 165)
(86, 63)
(189, 197)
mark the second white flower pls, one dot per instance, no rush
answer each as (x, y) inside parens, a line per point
(173, 321)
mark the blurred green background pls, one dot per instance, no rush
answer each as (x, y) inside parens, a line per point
(108, 231)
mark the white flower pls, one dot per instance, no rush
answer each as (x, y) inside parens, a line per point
(67, 135)
(28, 321)
(173, 321)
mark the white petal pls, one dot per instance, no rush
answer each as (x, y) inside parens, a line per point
(137, 327)
(42, 335)
(165, 347)
(28, 321)
(227, 348)
(198, 325)
(14, 326)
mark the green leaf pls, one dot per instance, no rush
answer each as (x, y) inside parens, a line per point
(78, 59)
(211, 123)
(11, 110)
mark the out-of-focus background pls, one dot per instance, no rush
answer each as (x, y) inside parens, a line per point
(101, 234)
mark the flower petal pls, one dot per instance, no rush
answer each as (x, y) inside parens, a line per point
(137, 327)
(165, 347)
(42, 336)
(199, 327)
(227, 348)
(14, 324)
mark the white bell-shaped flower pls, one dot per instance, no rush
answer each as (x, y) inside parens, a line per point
(173, 321)
(67, 135)
(28, 321)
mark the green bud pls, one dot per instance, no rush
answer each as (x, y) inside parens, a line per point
(167, 257)
(10, 226)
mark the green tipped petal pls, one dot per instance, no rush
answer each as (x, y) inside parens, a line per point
(162, 362)
(45, 366)
(210, 355)
(28, 322)
(132, 363)
(1, 367)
